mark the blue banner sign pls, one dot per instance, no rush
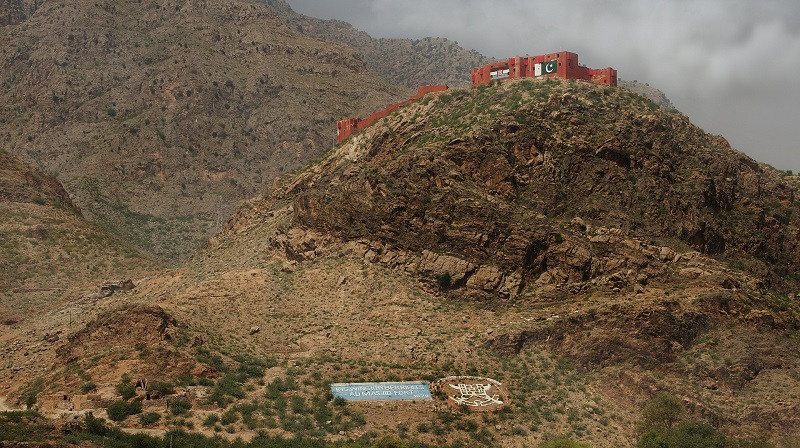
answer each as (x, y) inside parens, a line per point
(414, 390)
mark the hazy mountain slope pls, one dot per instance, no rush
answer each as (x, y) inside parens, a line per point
(408, 62)
(158, 117)
(412, 62)
(16, 11)
(561, 237)
(48, 252)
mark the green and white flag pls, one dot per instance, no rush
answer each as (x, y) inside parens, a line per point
(546, 68)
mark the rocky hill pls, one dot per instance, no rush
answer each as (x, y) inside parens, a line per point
(159, 117)
(407, 62)
(48, 252)
(576, 242)
(794, 180)
(651, 93)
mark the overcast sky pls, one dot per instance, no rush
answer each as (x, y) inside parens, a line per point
(733, 66)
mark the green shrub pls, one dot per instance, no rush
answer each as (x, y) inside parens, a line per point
(661, 413)
(298, 404)
(33, 391)
(444, 280)
(95, 426)
(277, 386)
(389, 442)
(229, 385)
(149, 418)
(162, 387)
(88, 387)
(211, 420)
(180, 406)
(229, 417)
(121, 409)
(126, 388)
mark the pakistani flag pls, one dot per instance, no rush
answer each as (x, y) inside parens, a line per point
(546, 68)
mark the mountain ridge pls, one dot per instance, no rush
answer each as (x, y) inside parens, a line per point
(407, 62)
(158, 119)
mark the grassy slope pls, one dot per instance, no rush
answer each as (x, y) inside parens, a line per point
(48, 251)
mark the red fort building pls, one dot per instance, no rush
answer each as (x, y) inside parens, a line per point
(562, 64)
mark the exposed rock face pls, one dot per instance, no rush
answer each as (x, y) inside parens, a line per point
(119, 331)
(23, 183)
(589, 221)
(503, 193)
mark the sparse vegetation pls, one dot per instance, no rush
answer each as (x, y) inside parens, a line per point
(563, 443)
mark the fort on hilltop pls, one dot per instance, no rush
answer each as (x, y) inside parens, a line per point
(562, 64)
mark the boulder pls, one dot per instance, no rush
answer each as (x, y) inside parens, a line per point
(487, 278)
(445, 264)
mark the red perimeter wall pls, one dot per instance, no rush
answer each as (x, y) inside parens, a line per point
(348, 126)
(524, 67)
(518, 67)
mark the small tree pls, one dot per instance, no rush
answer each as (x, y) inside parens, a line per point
(662, 412)
(118, 411)
(95, 426)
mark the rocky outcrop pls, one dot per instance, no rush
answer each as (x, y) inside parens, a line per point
(507, 193)
(120, 331)
(23, 183)
(651, 93)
